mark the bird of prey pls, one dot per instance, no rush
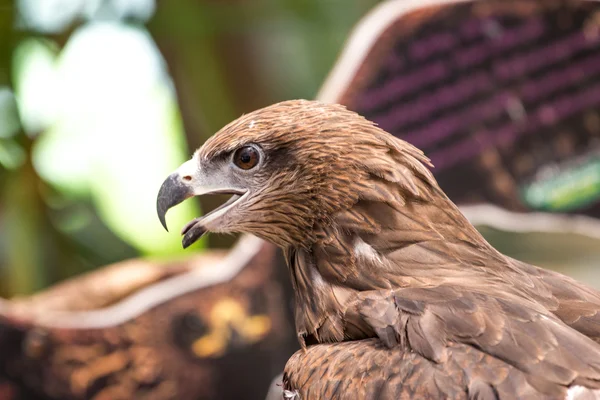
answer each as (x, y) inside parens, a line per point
(152, 330)
(397, 295)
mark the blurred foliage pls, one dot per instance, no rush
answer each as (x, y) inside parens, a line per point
(101, 99)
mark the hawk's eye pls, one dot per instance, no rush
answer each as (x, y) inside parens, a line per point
(246, 157)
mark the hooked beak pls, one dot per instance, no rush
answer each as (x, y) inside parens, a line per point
(172, 192)
(188, 181)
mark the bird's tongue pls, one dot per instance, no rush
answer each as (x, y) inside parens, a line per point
(190, 225)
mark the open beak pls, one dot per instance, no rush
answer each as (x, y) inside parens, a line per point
(188, 181)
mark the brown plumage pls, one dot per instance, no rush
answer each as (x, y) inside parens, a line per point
(403, 294)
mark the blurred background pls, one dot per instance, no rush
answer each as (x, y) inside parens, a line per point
(101, 99)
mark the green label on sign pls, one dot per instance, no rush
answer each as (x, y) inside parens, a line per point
(565, 190)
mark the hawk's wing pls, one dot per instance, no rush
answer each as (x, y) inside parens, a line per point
(444, 342)
(369, 370)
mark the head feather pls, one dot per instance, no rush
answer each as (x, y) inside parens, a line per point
(321, 159)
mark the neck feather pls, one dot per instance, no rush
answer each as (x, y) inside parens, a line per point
(381, 245)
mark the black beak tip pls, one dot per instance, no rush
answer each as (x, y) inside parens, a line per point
(192, 235)
(164, 224)
(186, 243)
(171, 193)
(161, 211)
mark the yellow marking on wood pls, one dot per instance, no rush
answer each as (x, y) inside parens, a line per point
(226, 315)
(255, 328)
(211, 345)
(226, 311)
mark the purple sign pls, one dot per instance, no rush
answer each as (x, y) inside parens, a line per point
(503, 96)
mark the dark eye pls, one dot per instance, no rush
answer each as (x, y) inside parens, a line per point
(246, 157)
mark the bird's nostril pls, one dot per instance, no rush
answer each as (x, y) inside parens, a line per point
(187, 178)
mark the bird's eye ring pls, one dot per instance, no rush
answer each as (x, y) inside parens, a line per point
(246, 157)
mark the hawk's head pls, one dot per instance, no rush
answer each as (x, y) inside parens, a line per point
(289, 167)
